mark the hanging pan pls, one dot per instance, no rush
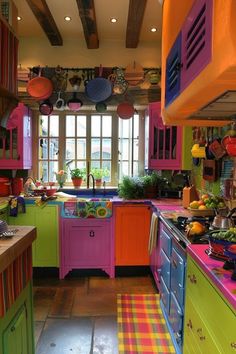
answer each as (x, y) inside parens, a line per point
(40, 87)
(46, 108)
(98, 89)
(74, 104)
(125, 110)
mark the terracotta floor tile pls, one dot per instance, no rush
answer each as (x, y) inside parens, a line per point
(43, 299)
(63, 302)
(104, 285)
(94, 304)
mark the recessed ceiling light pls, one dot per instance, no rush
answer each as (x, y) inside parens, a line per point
(67, 18)
(113, 20)
(19, 18)
(153, 29)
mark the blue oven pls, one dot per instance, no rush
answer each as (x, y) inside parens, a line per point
(172, 281)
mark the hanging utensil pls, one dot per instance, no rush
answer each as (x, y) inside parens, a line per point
(60, 103)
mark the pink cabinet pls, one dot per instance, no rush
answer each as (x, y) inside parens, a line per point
(16, 140)
(164, 144)
(86, 243)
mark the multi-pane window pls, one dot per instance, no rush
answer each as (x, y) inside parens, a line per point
(88, 141)
(48, 147)
(76, 141)
(129, 146)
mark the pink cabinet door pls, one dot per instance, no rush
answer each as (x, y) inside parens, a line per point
(16, 140)
(86, 243)
(196, 48)
(164, 141)
(87, 246)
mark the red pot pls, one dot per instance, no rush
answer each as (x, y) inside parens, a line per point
(77, 181)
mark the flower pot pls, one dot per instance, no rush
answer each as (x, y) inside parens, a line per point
(77, 181)
(151, 192)
(98, 182)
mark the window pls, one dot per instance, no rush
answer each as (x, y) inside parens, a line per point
(88, 141)
(129, 146)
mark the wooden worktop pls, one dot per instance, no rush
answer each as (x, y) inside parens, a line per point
(11, 248)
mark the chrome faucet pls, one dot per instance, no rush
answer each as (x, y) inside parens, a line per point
(90, 174)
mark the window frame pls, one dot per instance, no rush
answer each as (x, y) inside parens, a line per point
(114, 136)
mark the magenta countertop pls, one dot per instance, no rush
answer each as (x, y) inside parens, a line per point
(214, 269)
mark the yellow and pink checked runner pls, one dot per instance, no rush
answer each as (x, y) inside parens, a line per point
(141, 325)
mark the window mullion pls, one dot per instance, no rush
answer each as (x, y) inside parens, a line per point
(62, 141)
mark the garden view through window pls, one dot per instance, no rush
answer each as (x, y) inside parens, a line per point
(88, 141)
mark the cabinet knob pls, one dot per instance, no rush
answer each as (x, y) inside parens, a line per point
(91, 233)
(201, 336)
(192, 278)
(189, 324)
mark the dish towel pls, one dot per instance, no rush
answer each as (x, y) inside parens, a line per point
(153, 233)
(17, 204)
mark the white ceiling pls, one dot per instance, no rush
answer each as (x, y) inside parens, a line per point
(105, 9)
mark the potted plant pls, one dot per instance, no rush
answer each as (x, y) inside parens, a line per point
(131, 188)
(152, 184)
(98, 174)
(77, 175)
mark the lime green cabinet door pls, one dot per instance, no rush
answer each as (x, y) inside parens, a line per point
(45, 247)
(46, 244)
(15, 336)
(205, 309)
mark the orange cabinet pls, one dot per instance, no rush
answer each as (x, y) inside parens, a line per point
(132, 224)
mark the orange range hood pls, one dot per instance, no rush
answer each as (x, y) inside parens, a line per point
(209, 97)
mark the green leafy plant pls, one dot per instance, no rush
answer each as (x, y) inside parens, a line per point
(153, 180)
(78, 173)
(131, 188)
(100, 172)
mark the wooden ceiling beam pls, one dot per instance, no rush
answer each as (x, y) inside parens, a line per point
(43, 15)
(88, 18)
(134, 22)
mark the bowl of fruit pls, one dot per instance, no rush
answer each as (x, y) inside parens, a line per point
(220, 240)
(206, 205)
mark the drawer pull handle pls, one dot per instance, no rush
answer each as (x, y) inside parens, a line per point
(192, 278)
(233, 345)
(91, 233)
(201, 337)
(189, 324)
(174, 263)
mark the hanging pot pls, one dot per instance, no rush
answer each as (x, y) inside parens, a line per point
(46, 108)
(74, 104)
(40, 87)
(98, 89)
(125, 110)
(101, 107)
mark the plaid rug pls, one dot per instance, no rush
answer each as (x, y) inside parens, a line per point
(141, 325)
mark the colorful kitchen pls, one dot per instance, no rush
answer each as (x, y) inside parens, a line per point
(117, 176)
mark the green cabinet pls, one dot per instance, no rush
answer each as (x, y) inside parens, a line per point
(45, 247)
(209, 325)
(16, 327)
